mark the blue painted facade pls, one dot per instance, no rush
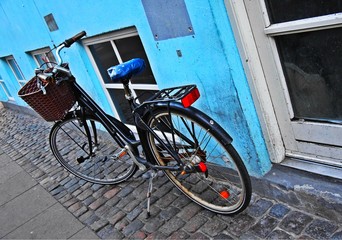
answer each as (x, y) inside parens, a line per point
(209, 58)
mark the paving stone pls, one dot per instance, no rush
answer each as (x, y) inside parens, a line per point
(279, 210)
(166, 200)
(172, 225)
(125, 191)
(213, 226)
(80, 211)
(221, 236)
(264, 226)
(121, 224)
(179, 235)
(239, 224)
(320, 229)
(88, 201)
(189, 211)
(86, 193)
(111, 193)
(109, 232)
(153, 224)
(132, 227)
(195, 223)
(96, 226)
(97, 203)
(295, 222)
(279, 234)
(169, 212)
(74, 207)
(134, 213)
(155, 235)
(258, 208)
(337, 236)
(181, 202)
(132, 205)
(199, 236)
(70, 202)
(117, 217)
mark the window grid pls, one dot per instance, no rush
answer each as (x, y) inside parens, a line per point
(16, 70)
(4, 87)
(113, 90)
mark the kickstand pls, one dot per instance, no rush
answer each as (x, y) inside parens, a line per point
(149, 191)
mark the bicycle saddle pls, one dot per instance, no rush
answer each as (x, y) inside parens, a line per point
(126, 70)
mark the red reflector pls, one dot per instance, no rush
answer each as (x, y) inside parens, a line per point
(202, 166)
(225, 194)
(190, 98)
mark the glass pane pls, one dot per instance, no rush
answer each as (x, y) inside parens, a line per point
(132, 48)
(104, 57)
(3, 85)
(44, 59)
(289, 10)
(121, 105)
(41, 60)
(16, 69)
(312, 67)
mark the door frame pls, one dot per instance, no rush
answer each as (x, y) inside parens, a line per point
(271, 98)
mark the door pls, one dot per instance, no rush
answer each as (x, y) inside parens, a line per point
(299, 45)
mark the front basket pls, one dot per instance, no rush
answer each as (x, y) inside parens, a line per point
(53, 105)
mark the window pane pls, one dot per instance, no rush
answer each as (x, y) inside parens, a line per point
(15, 69)
(3, 85)
(132, 48)
(121, 105)
(289, 10)
(312, 67)
(104, 57)
(143, 95)
(45, 59)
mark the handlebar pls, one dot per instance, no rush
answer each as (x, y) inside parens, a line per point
(59, 68)
(68, 42)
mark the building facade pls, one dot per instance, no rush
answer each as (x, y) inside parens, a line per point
(234, 54)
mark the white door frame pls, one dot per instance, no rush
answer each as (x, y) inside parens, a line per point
(252, 30)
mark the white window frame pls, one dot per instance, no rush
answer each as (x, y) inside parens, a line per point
(5, 88)
(110, 37)
(43, 51)
(20, 79)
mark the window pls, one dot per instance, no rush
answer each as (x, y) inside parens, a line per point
(308, 41)
(111, 49)
(4, 87)
(16, 70)
(43, 57)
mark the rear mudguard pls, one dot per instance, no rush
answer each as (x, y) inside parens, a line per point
(199, 116)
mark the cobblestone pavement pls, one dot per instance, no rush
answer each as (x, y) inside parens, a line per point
(119, 211)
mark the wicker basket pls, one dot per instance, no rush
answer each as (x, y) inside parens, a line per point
(53, 105)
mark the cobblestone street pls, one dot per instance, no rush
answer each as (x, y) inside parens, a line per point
(119, 211)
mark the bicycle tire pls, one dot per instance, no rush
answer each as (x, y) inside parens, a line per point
(70, 146)
(227, 189)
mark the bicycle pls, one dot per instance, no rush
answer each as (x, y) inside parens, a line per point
(193, 150)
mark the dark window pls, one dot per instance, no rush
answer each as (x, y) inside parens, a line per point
(289, 10)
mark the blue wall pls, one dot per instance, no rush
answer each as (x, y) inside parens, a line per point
(209, 59)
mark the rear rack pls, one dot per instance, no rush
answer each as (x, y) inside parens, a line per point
(171, 94)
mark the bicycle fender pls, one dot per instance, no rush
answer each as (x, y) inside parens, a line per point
(201, 117)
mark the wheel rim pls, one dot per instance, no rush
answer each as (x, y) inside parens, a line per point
(69, 144)
(224, 189)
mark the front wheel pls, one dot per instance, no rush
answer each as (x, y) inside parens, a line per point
(225, 187)
(87, 150)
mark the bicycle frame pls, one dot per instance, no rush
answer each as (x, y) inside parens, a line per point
(118, 130)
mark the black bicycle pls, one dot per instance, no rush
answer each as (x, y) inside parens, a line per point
(192, 149)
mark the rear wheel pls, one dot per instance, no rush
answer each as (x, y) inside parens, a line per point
(70, 144)
(225, 187)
